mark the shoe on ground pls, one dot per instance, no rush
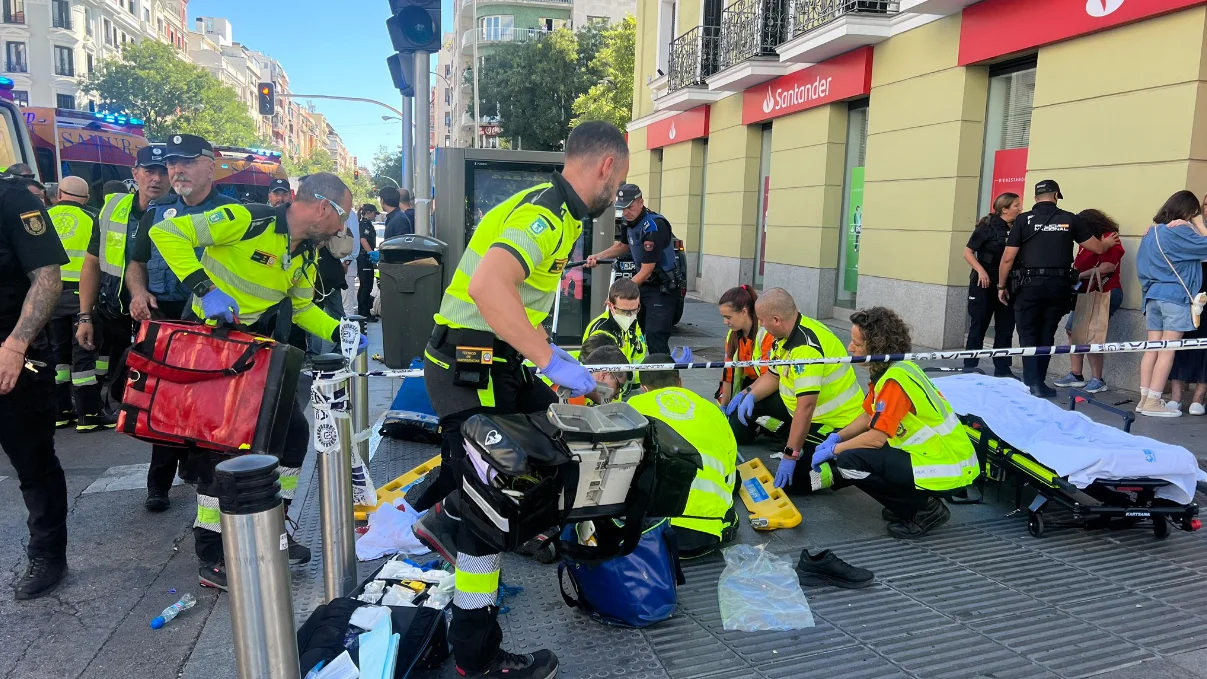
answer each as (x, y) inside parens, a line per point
(157, 500)
(825, 569)
(1042, 390)
(64, 419)
(1071, 380)
(42, 576)
(213, 576)
(888, 515)
(1197, 409)
(95, 422)
(936, 514)
(1006, 374)
(1143, 397)
(1095, 386)
(541, 664)
(1155, 407)
(437, 530)
(299, 554)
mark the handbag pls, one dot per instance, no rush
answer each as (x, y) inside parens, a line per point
(1091, 313)
(637, 590)
(1197, 302)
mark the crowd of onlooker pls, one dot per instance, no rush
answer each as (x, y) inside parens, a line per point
(1171, 269)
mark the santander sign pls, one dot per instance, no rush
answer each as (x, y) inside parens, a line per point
(1101, 8)
(846, 76)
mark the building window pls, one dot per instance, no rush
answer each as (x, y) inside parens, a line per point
(88, 21)
(14, 11)
(1007, 130)
(65, 101)
(16, 63)
(447, 140)
(21, 97)
(88, 61)
(131, 8)
(160, 22)
(496, 27)
(552, 24)
(107, 29)
(146, 15)
(598, 21)
(448, 120)
(64, 62)
(60, 14)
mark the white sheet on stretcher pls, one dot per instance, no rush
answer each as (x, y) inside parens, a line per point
(1068, 442)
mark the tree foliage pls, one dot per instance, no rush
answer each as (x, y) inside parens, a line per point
(387, 163)
(531, 87)
(320, 160)
(611, 98)
(151, 82)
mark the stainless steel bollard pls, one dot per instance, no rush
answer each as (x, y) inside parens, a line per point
(335, 479)
(257, 567)
(360, 399)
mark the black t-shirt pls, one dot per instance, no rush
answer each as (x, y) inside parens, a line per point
(368, 232)
(988, 242)
(142, 240)
(94, 243)
(28, 241)
(1045, 237)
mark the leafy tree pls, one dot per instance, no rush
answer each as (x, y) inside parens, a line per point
(387, 163)
(151, 82)
(611, 98)
(319, 160)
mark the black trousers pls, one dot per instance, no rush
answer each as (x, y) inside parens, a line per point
(27, 438)
(116, 335)
(886, 475)
(1038, 308)
(79, 390)
(364, 294)
(772, 406)
(657, 317)
(474, 634)
(165, 459)
(983, 308)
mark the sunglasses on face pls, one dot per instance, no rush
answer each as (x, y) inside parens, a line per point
(335, 206)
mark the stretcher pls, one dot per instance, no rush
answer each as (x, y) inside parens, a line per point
(1091, 497)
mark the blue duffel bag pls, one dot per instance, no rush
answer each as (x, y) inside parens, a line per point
(637, 590)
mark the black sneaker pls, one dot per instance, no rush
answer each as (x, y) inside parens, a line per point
(437, 530)
(824, 569)
(936, 514)
(95, 422)
(539, 665)
(213, 576)
(1008, 374)
(888, 515)
(1042, 390)
(299, 554)
(157, 500)
(64, 419)
(42, 575)
(542, 548)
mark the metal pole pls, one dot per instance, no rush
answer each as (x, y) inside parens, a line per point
(333, 442)
(423, 151)
(477, 100)
(408, 146)
(360, 399)
(257, 563)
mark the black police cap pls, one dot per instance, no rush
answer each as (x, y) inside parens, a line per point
(187, 146)
(150, 156)
(627, 194)
(1048, 186)
(280, 185)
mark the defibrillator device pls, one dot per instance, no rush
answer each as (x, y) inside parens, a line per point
(525, 474)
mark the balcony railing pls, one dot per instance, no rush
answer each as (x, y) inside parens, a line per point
(808, 15)
(502, 34)
(751, 28)
(693, 57)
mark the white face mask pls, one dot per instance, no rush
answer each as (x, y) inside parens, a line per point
(625, 322)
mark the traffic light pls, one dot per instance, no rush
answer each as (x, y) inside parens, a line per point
(415, 26)
(402, 71)
(267, 94)
(356, 174)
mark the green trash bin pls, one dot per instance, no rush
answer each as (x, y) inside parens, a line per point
(411, 275)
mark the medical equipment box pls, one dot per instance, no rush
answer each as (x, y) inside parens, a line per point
(607, 442)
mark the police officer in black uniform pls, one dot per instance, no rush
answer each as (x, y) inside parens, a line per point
(648, 237)
(984, 254)
(1041, 286)
(30, 283)
(279, 191)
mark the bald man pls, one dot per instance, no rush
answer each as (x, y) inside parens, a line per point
(822, 398)
(77, 392)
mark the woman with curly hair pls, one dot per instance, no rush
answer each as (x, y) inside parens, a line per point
(908, 445)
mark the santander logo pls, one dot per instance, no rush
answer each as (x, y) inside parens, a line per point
(796, 95)
(1101, 8)
(671, 134)
(769, 102)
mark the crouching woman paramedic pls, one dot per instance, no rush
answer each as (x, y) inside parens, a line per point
(908, 446)
(747, 340)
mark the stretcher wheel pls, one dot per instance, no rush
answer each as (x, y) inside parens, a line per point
(1035, 524)
(1160, 527)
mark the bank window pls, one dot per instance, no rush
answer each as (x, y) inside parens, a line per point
(497, 27)
(64, 61)
(65, 101)
(1007, 131)
(16, 61)
(21, 97)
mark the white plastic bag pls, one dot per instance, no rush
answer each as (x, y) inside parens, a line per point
(759, 591)
(390, 532)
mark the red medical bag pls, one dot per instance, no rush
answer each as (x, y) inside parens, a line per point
(222, 389)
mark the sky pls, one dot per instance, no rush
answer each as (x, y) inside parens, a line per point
(336, 48)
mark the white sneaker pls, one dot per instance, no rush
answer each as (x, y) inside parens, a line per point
(1173, 407)
(1197, 409)
(1153, 407)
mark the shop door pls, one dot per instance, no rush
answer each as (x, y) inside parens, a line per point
(1007, 133)
(852, 206)
(764, 188)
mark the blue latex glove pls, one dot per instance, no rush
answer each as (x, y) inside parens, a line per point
(364, 344)
(219, 305)
(375, 257)
(565, 355)
(569, 373)
(825, 451)
(742, 404)
(682, 354)
(784, 472)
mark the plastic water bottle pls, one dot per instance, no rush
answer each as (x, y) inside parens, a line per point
(186, 602)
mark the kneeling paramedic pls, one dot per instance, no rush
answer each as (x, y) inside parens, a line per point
(254, 257)
(709, 519)
(619, 322)
(908, 445)
(820, 398)
(489, 322)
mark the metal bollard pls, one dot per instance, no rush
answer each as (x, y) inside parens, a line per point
(257, 563)
(360, 398)
(335, 480)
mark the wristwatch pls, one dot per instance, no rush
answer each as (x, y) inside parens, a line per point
(790, 454)
(203, 288)
(83, 318)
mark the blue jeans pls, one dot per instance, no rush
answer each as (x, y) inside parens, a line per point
(333, 304)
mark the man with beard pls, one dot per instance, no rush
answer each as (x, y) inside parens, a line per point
(489, 322)
(155, 291)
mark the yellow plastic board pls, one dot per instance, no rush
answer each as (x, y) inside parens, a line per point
(769, 506)
(396, 488)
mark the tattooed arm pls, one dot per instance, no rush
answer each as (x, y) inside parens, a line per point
(43, 295)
